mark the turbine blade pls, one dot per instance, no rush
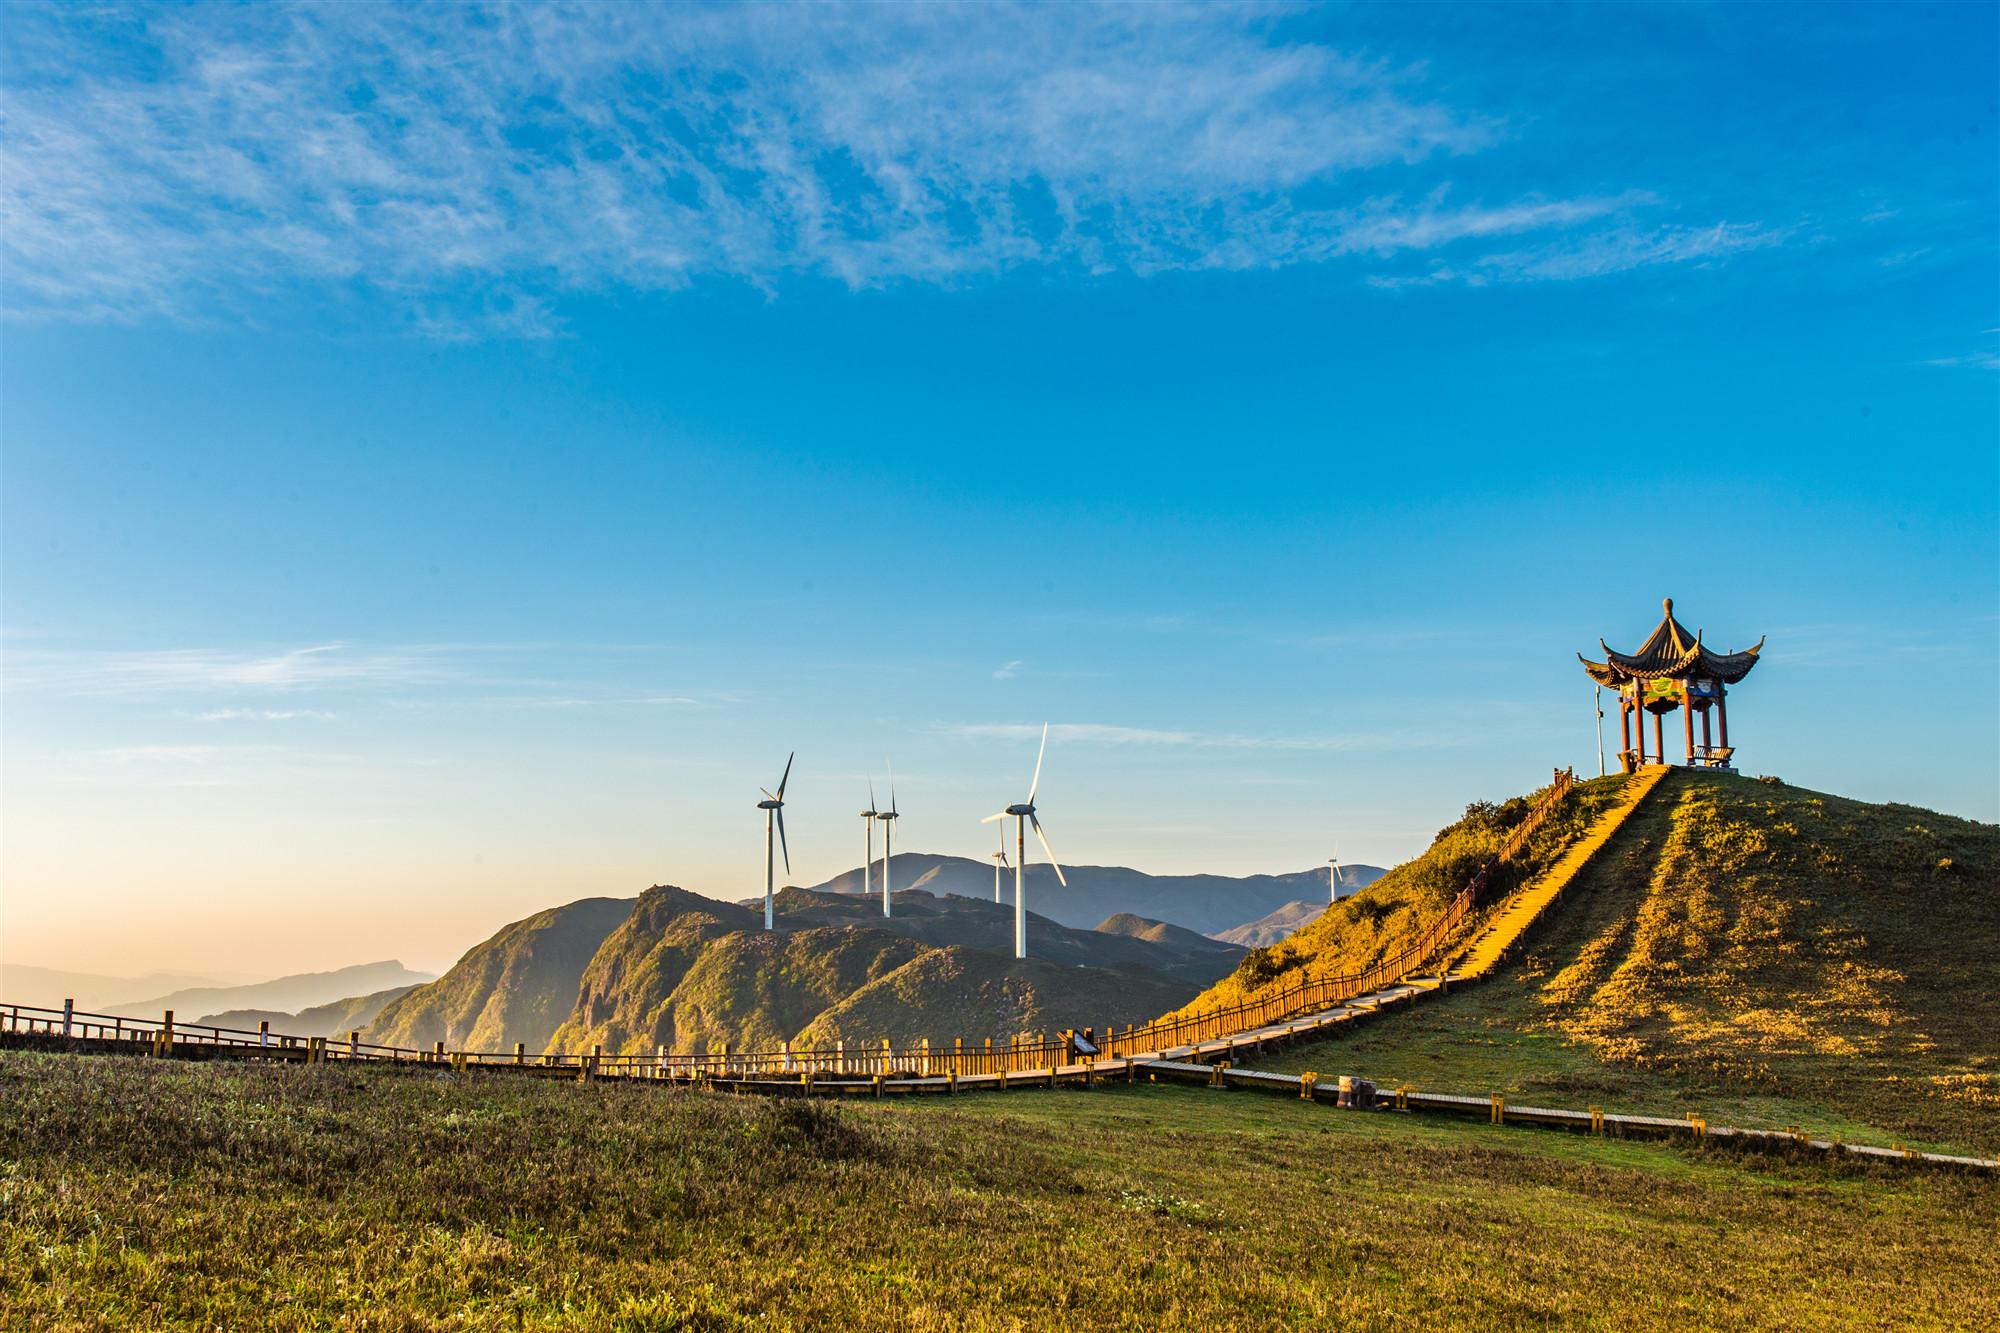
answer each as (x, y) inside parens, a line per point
(1037, 825)
(1035, 784)
(871, 793)
(990, 818)
(767, 793)
(788, 774)
(780, 813)
(892, 788)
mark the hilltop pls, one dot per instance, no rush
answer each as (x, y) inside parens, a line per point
(515, 987)
(692, 974)
(1785, 955)
(1205, 904)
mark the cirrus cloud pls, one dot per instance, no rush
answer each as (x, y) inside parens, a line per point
(477, 163)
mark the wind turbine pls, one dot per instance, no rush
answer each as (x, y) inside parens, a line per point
(868, 818)
(1333, 878)
(888, 818)
(999, 862)
(774, 812)
(1024, 815)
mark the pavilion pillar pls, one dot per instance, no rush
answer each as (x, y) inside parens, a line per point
(1687, 719)
(1659, 738)
(1624, 727)
(1707, 742)
(1722, 712)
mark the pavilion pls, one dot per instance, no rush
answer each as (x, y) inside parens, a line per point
(1672, 670)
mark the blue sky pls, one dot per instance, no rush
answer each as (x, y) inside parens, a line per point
(452, 455)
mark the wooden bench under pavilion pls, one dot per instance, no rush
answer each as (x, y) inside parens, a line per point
(1672, 670)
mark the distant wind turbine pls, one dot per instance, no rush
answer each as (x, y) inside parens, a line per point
(888, 818)
(868, 818)
(1024, 815)
(774, 812)
(1333, 878)
(999, 862)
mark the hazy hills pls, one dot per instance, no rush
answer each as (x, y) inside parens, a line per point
(48, 987)
(285, 995)
(1206, 904)
(1268, 930)
(321, 1020)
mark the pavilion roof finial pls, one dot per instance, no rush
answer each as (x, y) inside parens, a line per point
(1670, 653)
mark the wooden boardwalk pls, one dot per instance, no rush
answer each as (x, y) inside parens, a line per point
(1521, 910)
(1209, 1057)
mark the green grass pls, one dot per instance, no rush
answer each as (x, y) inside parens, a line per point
(161, 1194)
(1763, 954)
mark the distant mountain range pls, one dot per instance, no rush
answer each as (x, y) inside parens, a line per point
(285, 995)
(321, 1020)
(48, 987)
(689, 973)
(1268, 930)
(679, 970)
(1206, 904)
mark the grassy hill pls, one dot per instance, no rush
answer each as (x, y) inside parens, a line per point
(161, 1194)
(1387, 915)
(974, 994)
(1770, 953)
(693, 974)
(515, 987)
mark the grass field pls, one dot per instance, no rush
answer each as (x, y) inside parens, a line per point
(164, 1194)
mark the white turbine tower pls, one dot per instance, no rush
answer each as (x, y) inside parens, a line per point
(888, 818)
(1333, 878)
(774, 812)
(999, 862)
(1024, 816)
(868, 818)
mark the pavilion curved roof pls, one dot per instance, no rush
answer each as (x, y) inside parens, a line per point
(1670, 653)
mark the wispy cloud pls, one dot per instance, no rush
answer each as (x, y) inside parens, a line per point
(1007, 670)
(263, 715)
(477, 163)
(1595, 255)
(193, 670)
(1986, 358)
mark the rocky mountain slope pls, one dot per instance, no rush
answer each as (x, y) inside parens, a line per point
(517, 986)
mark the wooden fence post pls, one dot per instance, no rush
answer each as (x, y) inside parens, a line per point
(520, 1052)
(354, 1044)
(263, 1032)
(69, 1015)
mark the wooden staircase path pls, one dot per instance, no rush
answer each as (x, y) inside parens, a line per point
(1520, 911)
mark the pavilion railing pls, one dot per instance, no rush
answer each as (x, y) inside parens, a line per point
(836, 1060)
